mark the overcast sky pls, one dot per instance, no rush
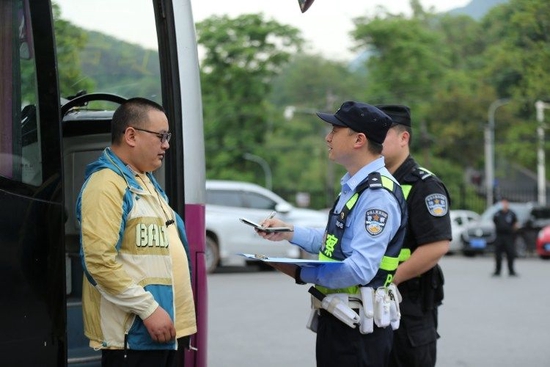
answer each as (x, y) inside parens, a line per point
(325, 26)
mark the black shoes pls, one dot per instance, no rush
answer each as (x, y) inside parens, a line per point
(512, 274)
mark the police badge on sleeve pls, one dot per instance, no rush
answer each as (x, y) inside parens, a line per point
(375, 221)
(437, 205)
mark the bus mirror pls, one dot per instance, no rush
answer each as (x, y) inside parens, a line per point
(305, 4)
(25, 37)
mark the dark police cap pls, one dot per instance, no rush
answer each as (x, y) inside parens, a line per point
(362, 118)
(399, 114)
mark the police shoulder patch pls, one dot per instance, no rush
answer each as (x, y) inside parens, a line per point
(437, 205)
(375, 221)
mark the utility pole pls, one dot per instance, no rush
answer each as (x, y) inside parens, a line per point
(490, 150)
(541, 157)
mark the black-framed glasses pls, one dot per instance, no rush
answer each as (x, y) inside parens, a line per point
(164, 137)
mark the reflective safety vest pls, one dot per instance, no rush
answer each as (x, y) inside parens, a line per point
(332, 249)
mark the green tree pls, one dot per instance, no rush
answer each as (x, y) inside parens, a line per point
(242, 56)
(309, 83)
(70, 40)
(431, 63)
(407, 58)
(516, 62)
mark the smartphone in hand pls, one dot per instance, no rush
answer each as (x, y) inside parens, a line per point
(265, 229)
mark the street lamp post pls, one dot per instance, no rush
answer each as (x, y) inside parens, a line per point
(490, 149)
(541, 168)
(265, 166)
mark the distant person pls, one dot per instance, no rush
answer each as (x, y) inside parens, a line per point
(419, 277)
(137, 298)
(506, 223)
(365, 231)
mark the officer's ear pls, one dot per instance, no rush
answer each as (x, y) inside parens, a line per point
(360, 139)
(405, 137)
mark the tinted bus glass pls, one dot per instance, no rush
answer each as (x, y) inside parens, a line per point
(20, 145)
(107, 46)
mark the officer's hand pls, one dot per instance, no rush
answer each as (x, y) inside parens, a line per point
(276, 236)
(160, 326)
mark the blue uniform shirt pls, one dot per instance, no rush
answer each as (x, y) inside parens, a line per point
(364, 251)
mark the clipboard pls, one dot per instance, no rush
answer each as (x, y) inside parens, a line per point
(286, 260)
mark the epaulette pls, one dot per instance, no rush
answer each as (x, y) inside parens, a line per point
(374, 181)
(418, 173)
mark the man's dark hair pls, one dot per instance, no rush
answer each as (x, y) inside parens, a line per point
(401, 128)
(133, 112)
(372, 146)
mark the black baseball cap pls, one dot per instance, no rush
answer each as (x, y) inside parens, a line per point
(399, 114)
(360, 117)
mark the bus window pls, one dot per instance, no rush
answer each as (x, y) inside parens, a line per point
(20, 148)
(101, 47)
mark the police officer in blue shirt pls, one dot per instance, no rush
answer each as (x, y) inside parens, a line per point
(365, 231)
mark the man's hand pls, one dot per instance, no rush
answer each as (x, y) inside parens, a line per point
(276, 236)
(160, 326)
(422, 259)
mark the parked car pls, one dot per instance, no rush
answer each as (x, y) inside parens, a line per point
(460, 219)
(479, 237)
(543, 243)
(227, 236)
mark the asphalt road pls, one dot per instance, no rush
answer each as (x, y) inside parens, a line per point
(257, 318)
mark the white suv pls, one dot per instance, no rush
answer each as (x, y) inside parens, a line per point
(226, 236)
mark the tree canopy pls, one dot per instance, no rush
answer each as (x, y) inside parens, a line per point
(242, 56)
(448, 68)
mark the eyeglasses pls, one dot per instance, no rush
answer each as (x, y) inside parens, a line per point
(164, 137)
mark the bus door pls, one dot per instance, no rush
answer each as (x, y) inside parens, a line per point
(32, 269)
(104, 57)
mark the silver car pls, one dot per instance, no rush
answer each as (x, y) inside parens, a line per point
(460, 219)
(227, 236)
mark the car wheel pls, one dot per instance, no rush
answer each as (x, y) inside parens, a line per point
(545, 257)
(212, 255)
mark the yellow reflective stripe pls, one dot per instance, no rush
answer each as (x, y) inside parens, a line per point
(387, 183)
(389, 263)
(324, 257)
(351, 202)
(404, 254)
(350, 290)
(406, 190)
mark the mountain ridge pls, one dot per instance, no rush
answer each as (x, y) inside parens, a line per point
(477, 8)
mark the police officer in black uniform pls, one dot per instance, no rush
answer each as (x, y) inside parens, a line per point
(505, 225)
(419, 277)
